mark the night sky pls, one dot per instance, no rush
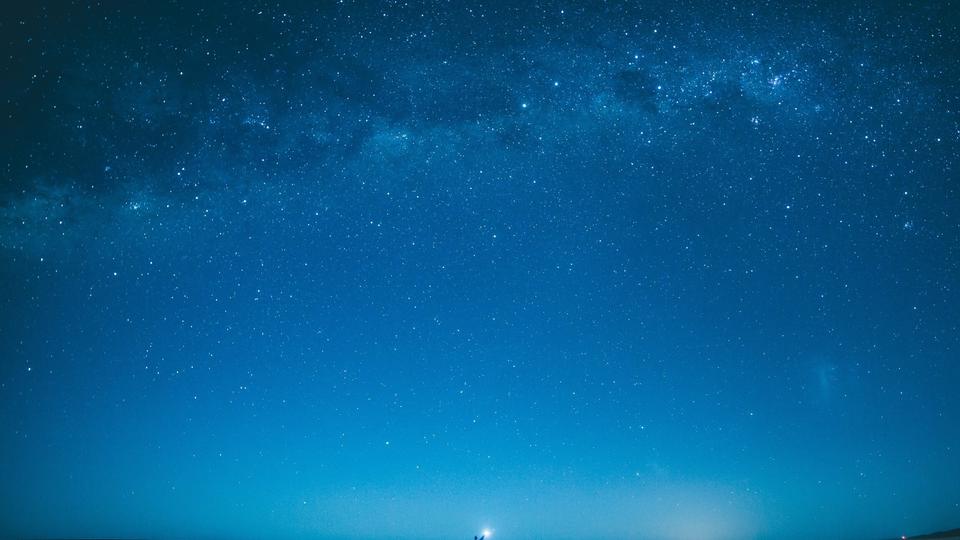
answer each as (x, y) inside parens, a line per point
(359, 270)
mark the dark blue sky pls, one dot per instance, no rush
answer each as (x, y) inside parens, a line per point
(596, 270)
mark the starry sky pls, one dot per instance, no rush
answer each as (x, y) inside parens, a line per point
(367, 270)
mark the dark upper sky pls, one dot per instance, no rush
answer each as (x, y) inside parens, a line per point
(685, 270)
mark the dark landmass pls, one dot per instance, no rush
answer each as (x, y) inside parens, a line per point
(952, 533)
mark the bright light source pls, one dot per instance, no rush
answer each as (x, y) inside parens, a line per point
(487, 533)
